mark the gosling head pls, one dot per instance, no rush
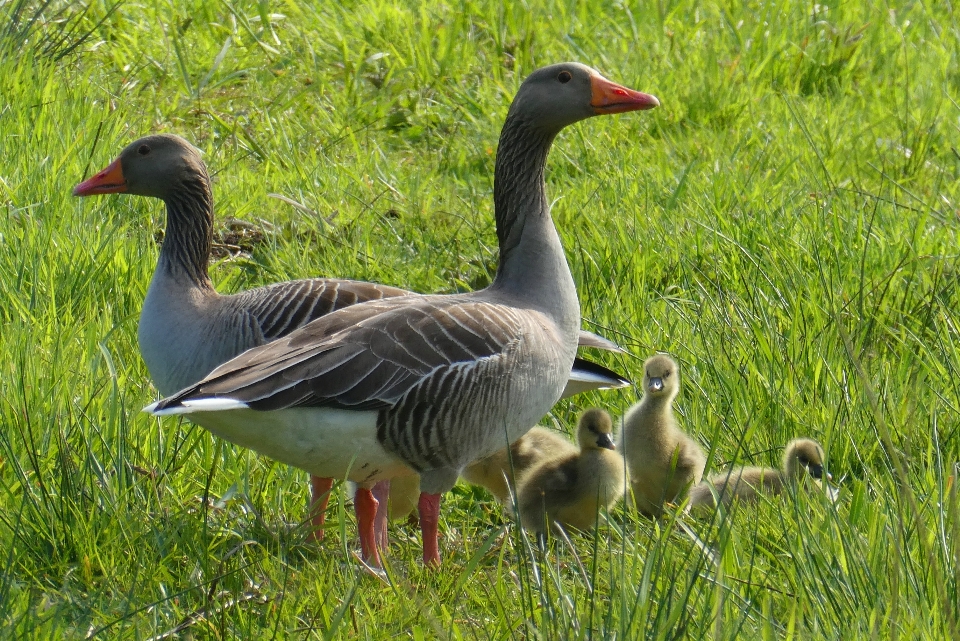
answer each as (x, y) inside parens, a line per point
(804, 455)
(595, 430)
(661, 377)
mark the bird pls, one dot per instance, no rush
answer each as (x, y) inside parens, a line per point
(663, 462)
(571, 488)
(187, 328)
(498, 471)
(801, 456)
(427, 384)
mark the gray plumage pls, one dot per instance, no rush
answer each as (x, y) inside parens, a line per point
(663, 462)
(570, 489)
(801, 456)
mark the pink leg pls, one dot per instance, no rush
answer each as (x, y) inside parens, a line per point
(366, 507)
(429, 508)
(381, 492)
(319, 495)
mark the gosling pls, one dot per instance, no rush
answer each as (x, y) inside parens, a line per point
(663, 462)
(569, 490)
(493, 472)
(801, 456)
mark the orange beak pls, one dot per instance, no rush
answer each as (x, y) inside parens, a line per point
(611, 98)
(108, 181)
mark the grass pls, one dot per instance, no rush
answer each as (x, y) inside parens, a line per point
(785, 225)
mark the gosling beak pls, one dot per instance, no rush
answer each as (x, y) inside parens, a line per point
(108, 181)
(816, 471)
(605, 442)
(611, 98)
(655, 385)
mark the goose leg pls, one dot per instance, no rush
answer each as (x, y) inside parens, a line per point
(429, 509)
(365, 505)
(381, 492)
(319, 495)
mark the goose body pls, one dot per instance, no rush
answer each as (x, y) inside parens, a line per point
(801, 456)
(447, 378)
(663, 462)
(571, 488)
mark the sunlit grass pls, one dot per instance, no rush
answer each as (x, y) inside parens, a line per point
(785, 225)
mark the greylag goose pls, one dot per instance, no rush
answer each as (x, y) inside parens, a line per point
(187, 329)
(427, 384)
(571, 489)
(663, 462)
(801, 456)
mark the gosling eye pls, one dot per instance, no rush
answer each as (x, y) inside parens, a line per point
(143, 150)
(564, 76)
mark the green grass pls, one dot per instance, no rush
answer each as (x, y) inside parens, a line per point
(785, 225)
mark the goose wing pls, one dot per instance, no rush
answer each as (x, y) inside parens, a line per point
(283, 307)
(363, 357)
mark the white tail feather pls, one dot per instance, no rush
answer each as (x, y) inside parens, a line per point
(197, 405)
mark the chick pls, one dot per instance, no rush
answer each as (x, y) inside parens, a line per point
(663, 462)
(801, 456)
(537, 445)
(570, 489)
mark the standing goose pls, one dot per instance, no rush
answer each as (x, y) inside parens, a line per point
(571, 488)
(187, 329)
(427, 384)
(802, 455)
(663, 461)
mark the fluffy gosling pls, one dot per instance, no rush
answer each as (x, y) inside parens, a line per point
(571, 488)
(663, 462)
(801, 456)
(536, 446)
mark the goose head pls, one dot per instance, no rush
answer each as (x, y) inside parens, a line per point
(595, 430)
(804, 455)
(152, 166)
(559, 95)
(661, 377)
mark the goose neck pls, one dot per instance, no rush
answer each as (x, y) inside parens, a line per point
(188, 239)
(533, 267)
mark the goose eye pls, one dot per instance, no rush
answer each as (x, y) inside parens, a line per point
(143, 150)
(564, 76)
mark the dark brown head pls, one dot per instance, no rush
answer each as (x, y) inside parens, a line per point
(595, 430)
(661, 377)
(804, 455)
(153, 166)
(562, 94)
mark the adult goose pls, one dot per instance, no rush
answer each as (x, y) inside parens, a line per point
(801, 456)
(664, 463)
(427, 384)
(187, 329)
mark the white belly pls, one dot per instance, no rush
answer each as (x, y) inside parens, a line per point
(330, 443)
